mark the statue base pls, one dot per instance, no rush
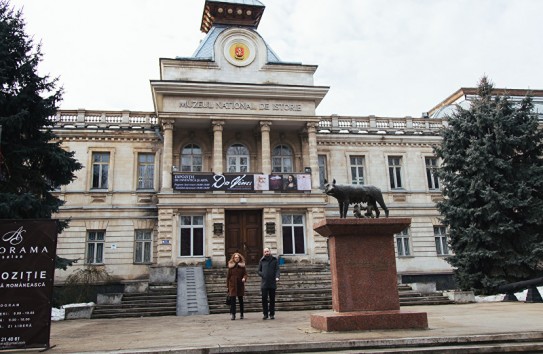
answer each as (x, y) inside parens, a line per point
(368, 320)
(364, 278)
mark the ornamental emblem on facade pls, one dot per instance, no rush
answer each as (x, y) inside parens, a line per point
(239, 51)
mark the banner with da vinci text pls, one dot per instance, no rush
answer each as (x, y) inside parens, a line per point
(27, 266)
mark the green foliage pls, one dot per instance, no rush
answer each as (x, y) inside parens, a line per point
(492, 173)
(32, 161)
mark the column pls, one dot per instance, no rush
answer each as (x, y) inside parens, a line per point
(217, 146)
(313, 156)
(266, 149)
(167, 155)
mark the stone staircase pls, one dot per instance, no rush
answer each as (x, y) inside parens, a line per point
(157, 301)
(302, 287)
(408, 297)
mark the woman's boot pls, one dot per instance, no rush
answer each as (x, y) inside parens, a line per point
(241, 308)
(233, 309)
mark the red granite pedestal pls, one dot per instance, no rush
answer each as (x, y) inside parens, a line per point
(364, 278)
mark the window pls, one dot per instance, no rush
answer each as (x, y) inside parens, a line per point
(440, 235)
(293, 234)
(282, 159)
(402, 243)
(357, 169)
(95, 247)
(237, 157)
(322, 170)
(395, 171)
(431, 177)
(191, 158)
(100, 170)
(146, 171)
(192, 236)
(143, 246)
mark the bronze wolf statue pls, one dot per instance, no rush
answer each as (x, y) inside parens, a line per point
(353, 194)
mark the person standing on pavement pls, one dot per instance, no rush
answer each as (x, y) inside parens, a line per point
(268, 270)
(235, 281)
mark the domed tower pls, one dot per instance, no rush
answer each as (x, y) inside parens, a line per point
(237, 122)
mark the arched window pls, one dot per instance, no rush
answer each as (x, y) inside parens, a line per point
(282, 159)
(191, 158)
(237, 158)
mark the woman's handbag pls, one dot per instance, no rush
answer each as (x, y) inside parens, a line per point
(228, 300)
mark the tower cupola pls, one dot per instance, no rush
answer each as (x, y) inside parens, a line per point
(246, 13)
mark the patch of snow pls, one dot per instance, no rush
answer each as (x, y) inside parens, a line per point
(78, 305)
(521, 296)
(58, 314)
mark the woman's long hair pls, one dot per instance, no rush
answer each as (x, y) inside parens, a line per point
(241, 258)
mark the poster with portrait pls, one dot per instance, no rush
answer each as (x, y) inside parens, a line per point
(262, 182)
(290, 183)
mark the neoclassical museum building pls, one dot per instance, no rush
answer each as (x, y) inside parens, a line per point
(234, 158)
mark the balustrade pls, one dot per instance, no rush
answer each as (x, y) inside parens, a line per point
(326, 125)
(93, 119)
(380, 125)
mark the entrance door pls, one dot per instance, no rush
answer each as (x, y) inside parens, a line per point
(244, 234)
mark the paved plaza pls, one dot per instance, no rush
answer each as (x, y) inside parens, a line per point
(290, 331)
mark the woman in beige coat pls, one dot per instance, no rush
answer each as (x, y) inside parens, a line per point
(235, 281)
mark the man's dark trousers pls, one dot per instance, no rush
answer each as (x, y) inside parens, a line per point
(268, 292)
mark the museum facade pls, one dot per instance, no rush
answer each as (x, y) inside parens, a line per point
(234, 158)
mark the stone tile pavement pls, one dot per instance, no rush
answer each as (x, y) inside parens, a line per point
(290, 331)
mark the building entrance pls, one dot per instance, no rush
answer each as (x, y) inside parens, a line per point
(244, 234)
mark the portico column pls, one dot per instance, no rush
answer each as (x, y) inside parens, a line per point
(266, 149)
(217, 146)
(167, 155)
(313, 155)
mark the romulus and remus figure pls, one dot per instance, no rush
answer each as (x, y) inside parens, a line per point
(355, 194)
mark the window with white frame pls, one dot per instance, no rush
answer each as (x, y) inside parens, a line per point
(431, 176)
(282, 159)
(357, 169)
(146, 171)
(191, 158)
(395, 171)
(237, 158)
(100, 170)
(402, 243)
(143, 246)
(293, 233)
(191, 243)
(322, 170)
(440, 235)
(95, 247)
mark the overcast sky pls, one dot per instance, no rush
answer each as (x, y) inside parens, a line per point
(381, 57)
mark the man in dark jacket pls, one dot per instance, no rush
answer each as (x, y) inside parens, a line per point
(268, 269)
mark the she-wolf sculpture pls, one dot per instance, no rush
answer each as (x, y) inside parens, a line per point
(354, 194)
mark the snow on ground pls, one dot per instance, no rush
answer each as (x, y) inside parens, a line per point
(57, 314)
(521, 296)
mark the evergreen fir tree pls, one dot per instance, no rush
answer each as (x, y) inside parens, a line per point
(492, 173)
(32, 161)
